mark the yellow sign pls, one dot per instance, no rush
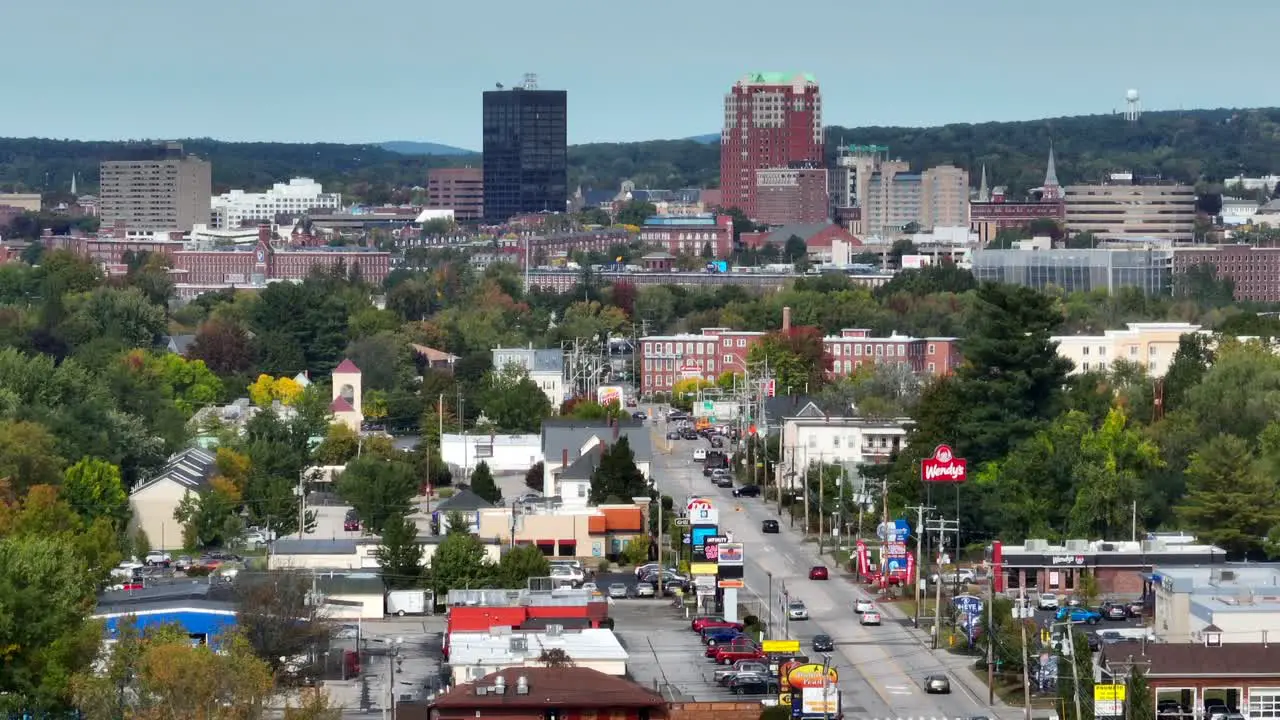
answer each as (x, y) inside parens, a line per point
(784, 699)
(1108, 693)
(780, 646)
(811, 676)
(704, 569)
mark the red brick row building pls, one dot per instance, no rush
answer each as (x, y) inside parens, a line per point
(854, 348)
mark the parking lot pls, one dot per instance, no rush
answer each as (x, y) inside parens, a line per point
(664, 653)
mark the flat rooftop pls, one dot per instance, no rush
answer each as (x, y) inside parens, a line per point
(512, 648)
(1231, 579)
(564, 597)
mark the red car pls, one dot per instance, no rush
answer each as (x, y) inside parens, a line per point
(709, 621)
(729, 654)
(351, 523)
(817, 572)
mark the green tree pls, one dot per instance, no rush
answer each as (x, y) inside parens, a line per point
(93, 488)
(459, 562)
(121, 315)
(483, 485)
(795, 249)
(28, 456)
(635, 212)
(533, 477)
(1240, 393)
(340, 445)
(1230, 501)
(636, 551)
(209, 518)
(513, 402)
(400, 554)
(379, 490)
(796, 359)
(1069, 692)
(521, 563)
(47, 594)
(616, 478)
(1139, 697)
(1113, 465)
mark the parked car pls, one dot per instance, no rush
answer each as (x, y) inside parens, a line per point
(860, 606)
(720, 635)
(1135, 609)
(723, 481)
(1114, 611)
(157, 557)
(351, 523)
(640, 416)
(1095, 642)
(182, 563)
(645, 589)
(617, 591)
(1047, 601)
(769, 526)
(823, 643)
(818, 572)
(754, 685)
(797, 610)
(1078, 615)
(701, 623)
(716, 442)
(741, 666)
(747, 491)
(870, 617)
(937, 684)
(729, 654)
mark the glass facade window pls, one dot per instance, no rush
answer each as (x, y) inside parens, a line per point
(525, 135)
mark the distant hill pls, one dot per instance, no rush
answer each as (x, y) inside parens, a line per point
(1191, 145)
(708, 138)
(410, 147)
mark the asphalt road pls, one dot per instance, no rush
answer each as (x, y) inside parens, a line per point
(881, 668)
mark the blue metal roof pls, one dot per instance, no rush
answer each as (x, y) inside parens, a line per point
(681, 220)
(196, 621)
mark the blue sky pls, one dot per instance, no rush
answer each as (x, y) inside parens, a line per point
(322, 70)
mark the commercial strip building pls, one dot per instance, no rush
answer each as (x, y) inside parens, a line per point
(1128, 212)
(1121, 567)
(772, 121)
(157, 189)
(458, 189)
(525, 135)
(299, 196)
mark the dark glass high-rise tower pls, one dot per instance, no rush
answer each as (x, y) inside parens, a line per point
(525, 147)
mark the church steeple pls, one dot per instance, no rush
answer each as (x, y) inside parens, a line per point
(984, 192)
(73, 183)
(1052, 191)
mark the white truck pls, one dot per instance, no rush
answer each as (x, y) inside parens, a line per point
(407, 602)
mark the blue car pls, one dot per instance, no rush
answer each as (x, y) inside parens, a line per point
(1079, 615)
(720, 635)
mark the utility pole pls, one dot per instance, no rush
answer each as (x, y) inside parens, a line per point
(660, 566)
(822, 505)
(805, 489)
(940, 526)
(1075, 672)
(919, 529)
(991, 645)
(1026, 679)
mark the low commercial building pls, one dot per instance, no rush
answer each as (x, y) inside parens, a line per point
(473, 655)
(1148, 270)
(458, 189)
(339, 554)
(153, 501)
(563, 530)
(1188, 679)
(202, 609)
(572, 693)
(1120, 567)
(483, 610)
(1239, 601)
(502, 453)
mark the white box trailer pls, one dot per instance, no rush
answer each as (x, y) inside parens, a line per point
(407, 602)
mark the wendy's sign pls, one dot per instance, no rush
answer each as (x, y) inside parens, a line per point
(944, 466)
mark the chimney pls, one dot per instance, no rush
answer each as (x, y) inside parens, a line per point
(522, 685)
(564, 458)
(786, 319)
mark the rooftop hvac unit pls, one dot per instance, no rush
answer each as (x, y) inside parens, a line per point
(519, 644)
(1077, 546)
(1037, 545)
(522, 685)
(555, 630)
(482, 690)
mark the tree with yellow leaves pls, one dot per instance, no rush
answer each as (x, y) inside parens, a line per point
(267, 389)
(685, 392)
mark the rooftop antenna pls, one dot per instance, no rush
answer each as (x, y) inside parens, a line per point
(530, 81)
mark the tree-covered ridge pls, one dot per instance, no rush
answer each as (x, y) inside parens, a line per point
(1187, 145)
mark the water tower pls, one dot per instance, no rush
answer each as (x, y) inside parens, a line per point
(1132, 105)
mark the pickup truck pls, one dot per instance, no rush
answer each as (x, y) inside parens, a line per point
(732, 653)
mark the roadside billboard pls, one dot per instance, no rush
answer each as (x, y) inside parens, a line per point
(701, 511)
(944, 466)
(606, 394)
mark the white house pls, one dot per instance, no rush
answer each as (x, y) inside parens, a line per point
(814, 436)
(544, 366)
(154, 501)
(571, 448)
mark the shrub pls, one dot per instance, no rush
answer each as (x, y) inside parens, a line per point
(444, 493)
(603, 565)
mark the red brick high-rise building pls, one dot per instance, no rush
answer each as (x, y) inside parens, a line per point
(771, 120)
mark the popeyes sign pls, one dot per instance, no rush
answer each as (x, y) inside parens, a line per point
(944, 466)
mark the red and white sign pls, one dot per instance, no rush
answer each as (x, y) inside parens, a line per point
(689, 371)
(771, 388)
(944, 466)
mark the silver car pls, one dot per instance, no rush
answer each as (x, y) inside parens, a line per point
(617, 591)
(645, 589)
(797, 611)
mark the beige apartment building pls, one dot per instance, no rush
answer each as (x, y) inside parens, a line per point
(944, 197)
(1130, 212)
(1150, 345)
(163, 192)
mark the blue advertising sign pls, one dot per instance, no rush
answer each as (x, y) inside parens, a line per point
(968, 604)
(896, 531)
(895, 565)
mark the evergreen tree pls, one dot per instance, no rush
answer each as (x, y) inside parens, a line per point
(1138, 696)
(1231, 502)
(483, 485)
(400, 554)
(616, 478)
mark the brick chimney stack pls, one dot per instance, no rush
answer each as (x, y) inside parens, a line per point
(786, 319)
(564, 458)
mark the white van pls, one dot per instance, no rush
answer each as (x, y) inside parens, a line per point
(699, 454)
